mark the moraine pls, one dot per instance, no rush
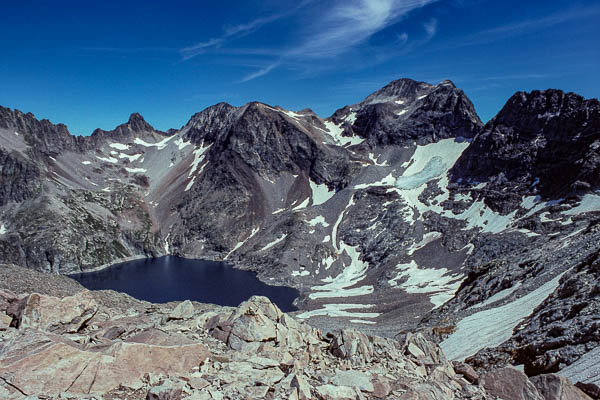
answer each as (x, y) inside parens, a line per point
(171, 278)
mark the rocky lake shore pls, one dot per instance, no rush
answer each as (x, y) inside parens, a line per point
(61, 341)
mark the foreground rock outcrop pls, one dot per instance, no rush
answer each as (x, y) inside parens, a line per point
(87, 346)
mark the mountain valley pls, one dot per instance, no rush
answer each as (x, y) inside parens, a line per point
(402, 212)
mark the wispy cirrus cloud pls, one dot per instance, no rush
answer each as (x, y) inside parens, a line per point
(237, 31)
(345, 26)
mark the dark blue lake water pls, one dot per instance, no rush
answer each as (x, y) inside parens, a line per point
(164, 279)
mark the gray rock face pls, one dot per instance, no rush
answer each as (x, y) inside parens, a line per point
(549, 139)
(566, 325)
(21, 179)
(406, 111)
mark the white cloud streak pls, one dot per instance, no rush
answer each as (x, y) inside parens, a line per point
(335, 31)
(348, 24)
(236, 31)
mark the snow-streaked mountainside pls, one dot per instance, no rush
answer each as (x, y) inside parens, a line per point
(398, 210)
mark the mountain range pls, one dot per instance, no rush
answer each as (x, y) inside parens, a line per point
(403, 211)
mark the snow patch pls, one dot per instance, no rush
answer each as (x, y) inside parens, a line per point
(335, 226)
(2, 229)
(302, 205)
(167, 243)
(427, 280)
(320, 193)
(300, 273)
(589, 203)
(240, 244)
(190, 184)
(159, 145)
(427, 238)
(350, 276)
(319, 219)
(131, 157)
(389, 180)
(119, 146)
(340, 310)
(350, 118)
(479, 215)
(335, 131)
(375, 161)
(111, 160)
(504, 293)
(181, 144)
(199, 155)
(490, 328)
(86, 162)
(136, 170)
(274, 242)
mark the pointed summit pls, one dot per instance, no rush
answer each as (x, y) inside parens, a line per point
(137, 123)
(407, 111)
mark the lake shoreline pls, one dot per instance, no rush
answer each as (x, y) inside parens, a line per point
(174, 278)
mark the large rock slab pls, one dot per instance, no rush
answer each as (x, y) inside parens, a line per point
(510, 384)
(44, 363)
(52, 314)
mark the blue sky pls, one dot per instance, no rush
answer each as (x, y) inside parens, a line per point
(91, 64)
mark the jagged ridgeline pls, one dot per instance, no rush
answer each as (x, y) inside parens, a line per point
(399, 204)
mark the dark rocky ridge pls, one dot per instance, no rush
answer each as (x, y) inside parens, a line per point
(548, 139)
(406, 111)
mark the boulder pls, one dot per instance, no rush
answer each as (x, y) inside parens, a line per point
(381, 387)
(258, 321)
(350, 343)
(166, 391)
(353, 378)
(590, 389)
(184, 310)
(510, 384)
(5, 321)
(416, 347)
(67, 315)
(332, 392)
(555, 387)
(302, 386)
(466, 371)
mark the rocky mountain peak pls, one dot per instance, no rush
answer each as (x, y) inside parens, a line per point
(541, 141)
(137, 123)
(401, 89)
(407, 111)
(210, 123)
(43, 135)
(136, 126)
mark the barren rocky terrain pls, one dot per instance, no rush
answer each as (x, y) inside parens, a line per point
(103, 345)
